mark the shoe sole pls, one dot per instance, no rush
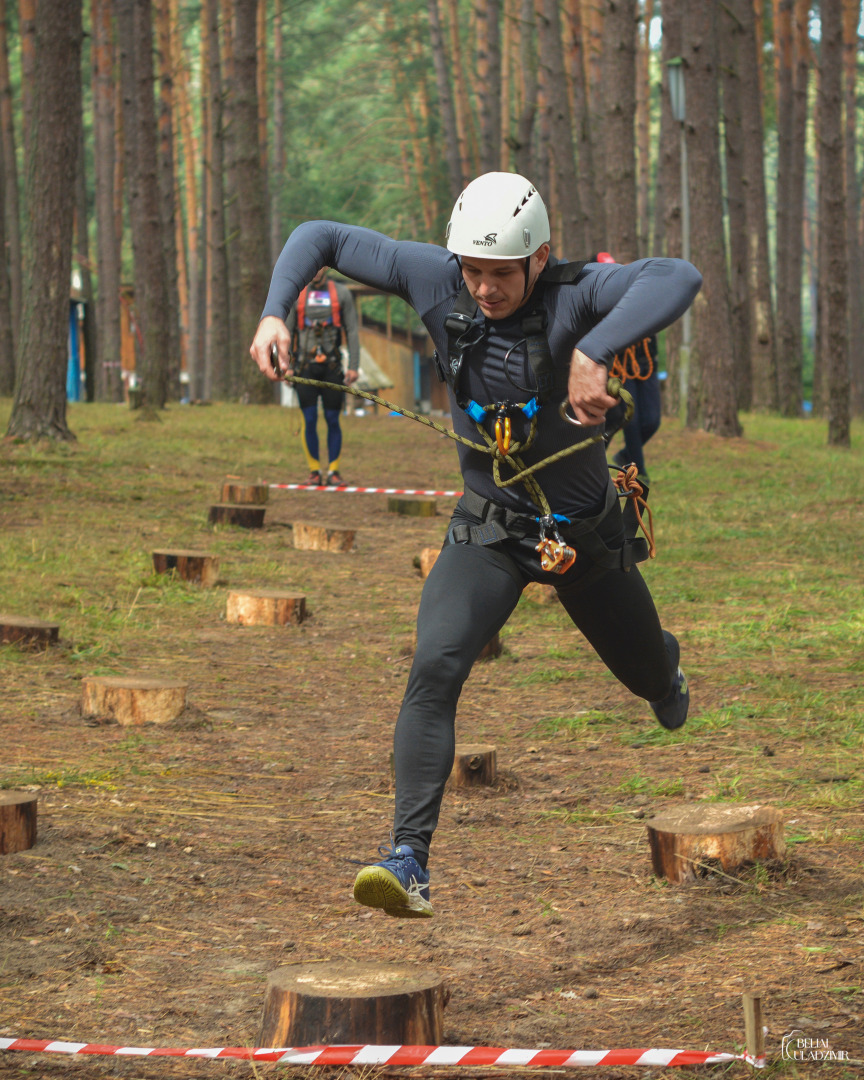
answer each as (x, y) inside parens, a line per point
(376, 887)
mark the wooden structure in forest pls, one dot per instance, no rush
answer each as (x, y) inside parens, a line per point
(133, 700)
(474, 765)
(685, 841)
(245, 515)
(411, 507)
(27, 632)
(236, 491)
(17, 821)
(354, 1003)
(265, 607)
(197, 567)
(333, 538)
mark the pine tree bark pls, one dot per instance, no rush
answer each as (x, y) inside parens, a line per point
(7, 343)
(27, 36)
(188, 141)
(762, 342)
(851, 19)
(251, 194)
(524, 145)
(790, 27)
(217, 379)
(569, 227)
(729, 30)
(464, 115)
(593, 213)
(489, 79)
(277, 237)
(9, 159)
(669, 239)
(711, 402)
(449, 132)
(39, 408)
(237, 350)
(141, 150)
(832, 225)
(619, 111)
(643, 129)
(167, 191)
(108, 384)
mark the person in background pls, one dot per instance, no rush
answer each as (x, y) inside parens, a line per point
(636, 367)
(324, 312)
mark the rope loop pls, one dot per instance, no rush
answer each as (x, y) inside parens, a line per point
(627, 482)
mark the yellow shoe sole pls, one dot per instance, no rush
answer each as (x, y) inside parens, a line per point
(376, 887)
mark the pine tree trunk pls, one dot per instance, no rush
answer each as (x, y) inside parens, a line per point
(669, 183)
(524, 149)
(792, 70)
(711, 400)
(27, 36)
(190, 151)
(464, 115)
(141, 149)
(251, 195)
(277, 237)
(832, 225)
(619, 111)
(217, 380)
(729, 30)
(7, 343)
(39, 408)
(8, 161)
(167, 191)
(236, 348)
(762, 343)
(108, 384)
(593, 215)
(449, 132)
(851, 19)
(489, 78)
(557, 121)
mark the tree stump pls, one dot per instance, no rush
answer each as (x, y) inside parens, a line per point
(247, 517)
(265, 607)
(730, 835)
(133, 700)
(254, 494)
(491, 649)
(28, 633)
(354, 1003)
(322, 538)
(17, 821)
(475, 765)
(427, 560)
(398, 504)
(538, 593)
(195, 566)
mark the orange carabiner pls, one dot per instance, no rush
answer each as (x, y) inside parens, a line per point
(503, 437)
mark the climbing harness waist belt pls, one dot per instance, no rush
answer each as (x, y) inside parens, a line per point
(499, 523)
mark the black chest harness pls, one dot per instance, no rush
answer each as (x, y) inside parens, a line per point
(463, 334)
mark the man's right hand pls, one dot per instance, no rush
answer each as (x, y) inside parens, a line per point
(272, 331)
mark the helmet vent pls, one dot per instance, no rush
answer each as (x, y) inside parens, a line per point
(526, 236)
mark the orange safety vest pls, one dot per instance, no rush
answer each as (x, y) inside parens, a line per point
(336, 314)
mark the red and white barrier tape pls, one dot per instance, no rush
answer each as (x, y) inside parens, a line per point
(397, 1055)
(361, 490)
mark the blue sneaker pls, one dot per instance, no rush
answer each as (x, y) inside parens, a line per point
(672, 710)
(398, 884)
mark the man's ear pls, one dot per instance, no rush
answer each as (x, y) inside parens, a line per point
(542, 256)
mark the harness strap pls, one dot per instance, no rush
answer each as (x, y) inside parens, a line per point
(500, 523)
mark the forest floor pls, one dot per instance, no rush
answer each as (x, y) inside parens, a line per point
(177, 865)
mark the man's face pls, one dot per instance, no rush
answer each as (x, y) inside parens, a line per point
(498, 285)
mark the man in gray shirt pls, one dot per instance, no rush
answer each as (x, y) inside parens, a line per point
(516, 332)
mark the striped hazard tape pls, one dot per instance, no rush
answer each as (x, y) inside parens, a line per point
(361, 490)
(397, 1055)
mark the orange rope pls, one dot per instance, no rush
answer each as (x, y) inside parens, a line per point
(628, 368)
(628, 484)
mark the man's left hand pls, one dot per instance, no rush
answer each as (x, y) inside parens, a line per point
(586, 389)
(350, 377)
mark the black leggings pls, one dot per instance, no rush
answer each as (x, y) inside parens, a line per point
(468, 596)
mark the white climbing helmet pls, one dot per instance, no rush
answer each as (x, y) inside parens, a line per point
(498, 216)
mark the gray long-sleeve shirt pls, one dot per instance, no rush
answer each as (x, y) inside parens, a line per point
(607, 308)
